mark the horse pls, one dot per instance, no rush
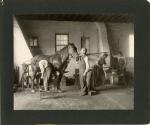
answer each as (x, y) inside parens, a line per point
(58, 62)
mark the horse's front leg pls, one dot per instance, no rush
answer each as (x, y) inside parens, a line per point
(32, 82)
(58, 81)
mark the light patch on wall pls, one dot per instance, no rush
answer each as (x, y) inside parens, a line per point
(21, 50)
(131, 45)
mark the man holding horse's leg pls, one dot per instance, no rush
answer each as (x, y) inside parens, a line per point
(46, 73)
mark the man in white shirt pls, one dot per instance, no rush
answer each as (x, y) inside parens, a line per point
(83, 69)
(46, 73)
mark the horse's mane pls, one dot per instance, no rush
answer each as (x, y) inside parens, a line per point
(63, 49)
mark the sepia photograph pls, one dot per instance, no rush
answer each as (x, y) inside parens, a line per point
(73, 62)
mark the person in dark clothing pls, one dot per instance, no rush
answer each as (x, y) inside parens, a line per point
(96, 74)
(121, 69)
(101, 62)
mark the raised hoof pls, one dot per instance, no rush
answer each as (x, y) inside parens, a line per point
(83, 94)
(59, 91)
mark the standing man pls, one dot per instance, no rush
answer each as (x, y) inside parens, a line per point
(83, 69)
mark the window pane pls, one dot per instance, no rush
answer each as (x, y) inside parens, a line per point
(35, 42)
(62, 43)
(65, 37)
(58, 42)
(58, 37)
(31, 42)
(65, 42)
(61, 37)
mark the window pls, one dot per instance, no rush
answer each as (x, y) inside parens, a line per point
(61, 41)
(33, 42)
(131, 45)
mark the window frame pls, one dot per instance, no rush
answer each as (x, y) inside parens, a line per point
(56, 39)
(31, 39)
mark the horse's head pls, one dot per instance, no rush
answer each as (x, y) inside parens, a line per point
(72, 50)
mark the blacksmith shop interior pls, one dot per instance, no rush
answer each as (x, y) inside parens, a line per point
(111, 83)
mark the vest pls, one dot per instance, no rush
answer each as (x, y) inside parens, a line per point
(82, 65)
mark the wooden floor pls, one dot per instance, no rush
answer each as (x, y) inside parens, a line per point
(70, 99)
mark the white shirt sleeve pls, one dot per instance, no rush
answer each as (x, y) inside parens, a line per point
(86, 63)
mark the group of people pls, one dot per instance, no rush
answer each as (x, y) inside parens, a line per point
(85, 71)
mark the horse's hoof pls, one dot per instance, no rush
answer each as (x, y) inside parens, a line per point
(33, 91)
(83, 94)
(59, 91)
(40, 89)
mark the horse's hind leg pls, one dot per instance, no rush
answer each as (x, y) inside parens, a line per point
(32, 83)
(58, 82)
